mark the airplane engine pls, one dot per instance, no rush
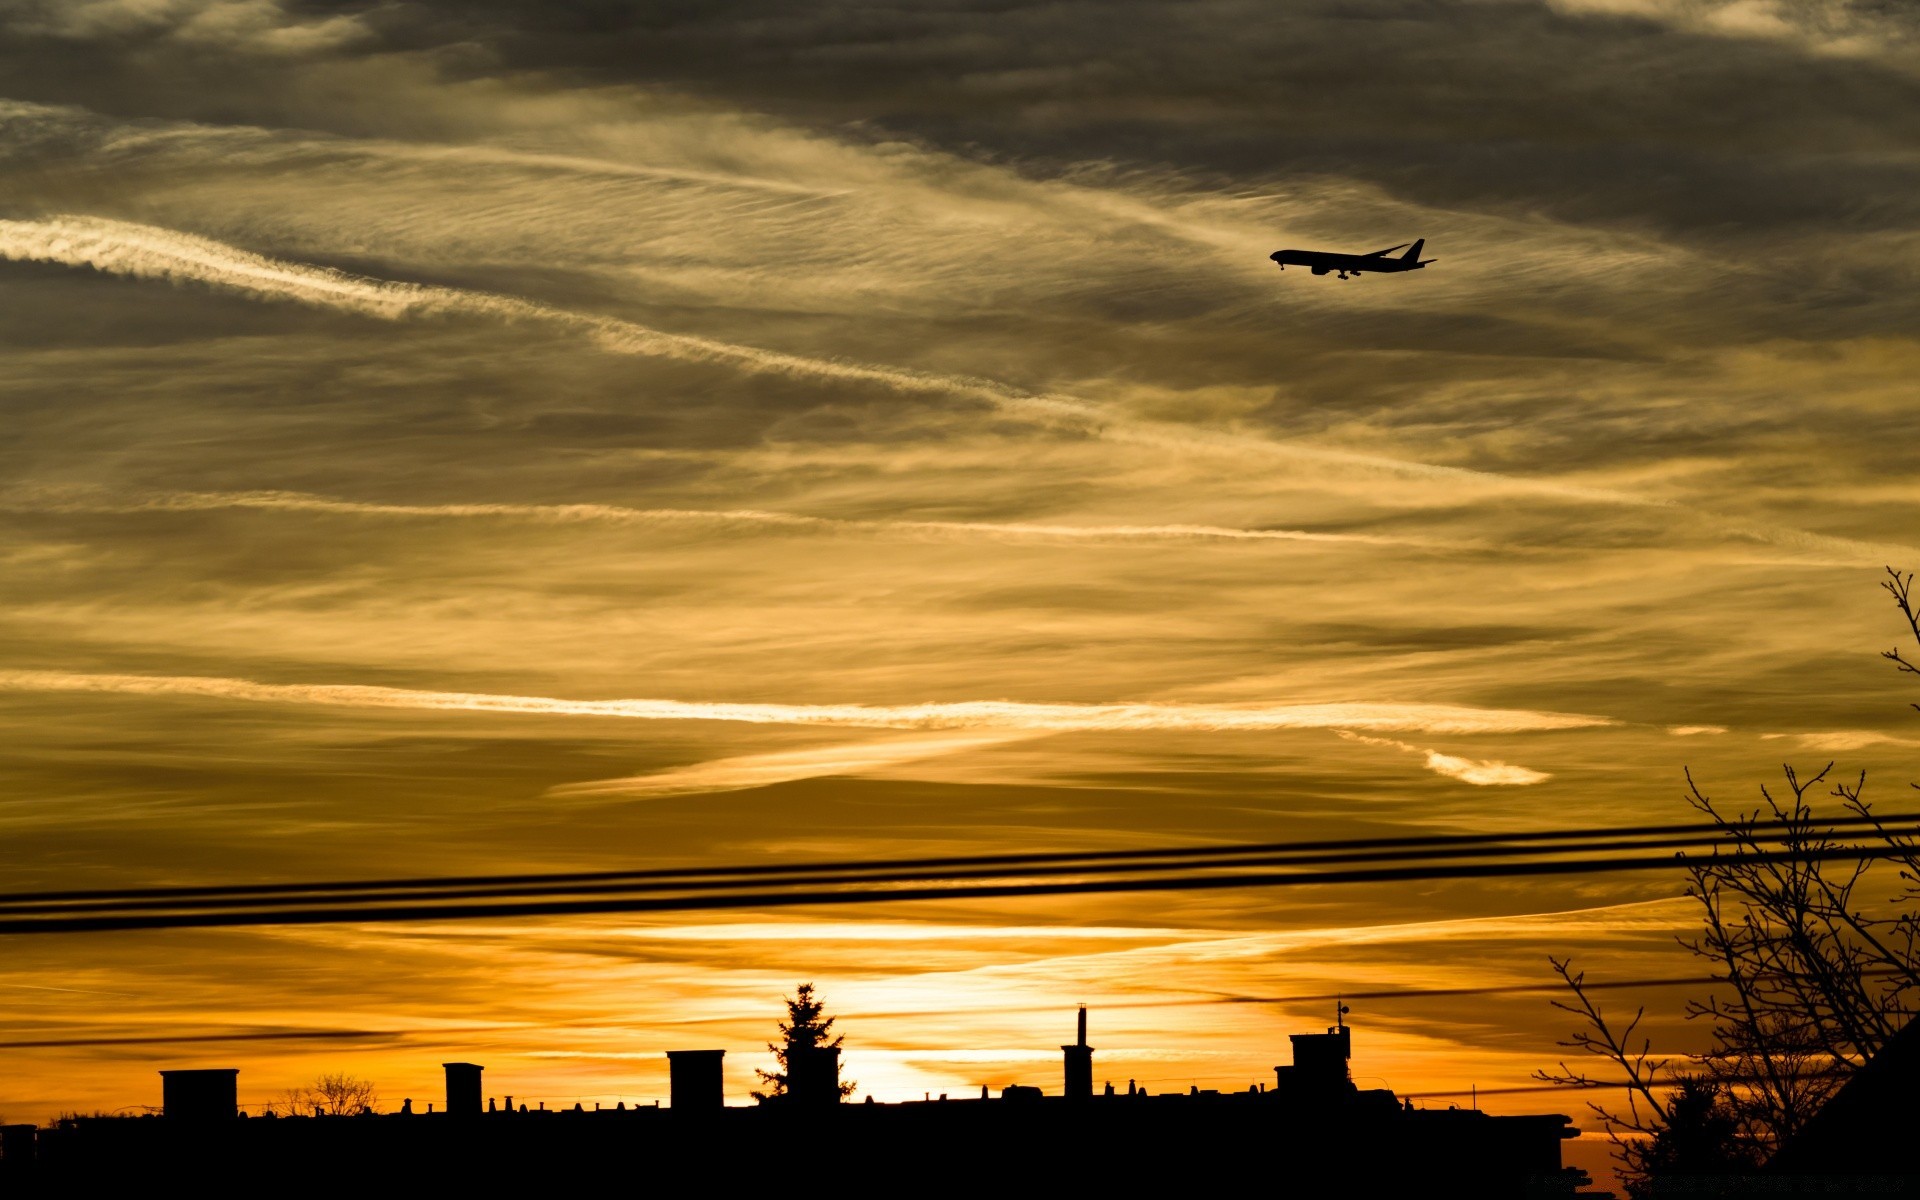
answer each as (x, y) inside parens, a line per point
(1319, 270)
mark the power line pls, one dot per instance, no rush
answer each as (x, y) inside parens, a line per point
(1514, 1091)
(1709, 831)
(288, 1035)
(454, 905)
(377, 894)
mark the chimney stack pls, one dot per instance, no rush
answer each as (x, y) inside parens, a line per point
(695, 1080)
(210, 1095)
(463, 1089)
(813, 1075)
(17, 1149)
(1079, 1063)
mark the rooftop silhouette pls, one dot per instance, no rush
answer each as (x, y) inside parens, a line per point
(1311, 1126)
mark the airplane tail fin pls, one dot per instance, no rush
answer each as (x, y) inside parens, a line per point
(1413, 251)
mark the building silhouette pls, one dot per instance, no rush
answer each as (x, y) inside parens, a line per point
(1867, 1127)
(463, 1089)
(1312, 1133)
(200, 1095)
(1079, 1063)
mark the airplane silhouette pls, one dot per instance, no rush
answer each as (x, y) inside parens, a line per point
(1322, 261)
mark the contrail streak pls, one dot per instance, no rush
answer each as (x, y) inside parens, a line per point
(150, 252)
(971, 714)
(621, 515)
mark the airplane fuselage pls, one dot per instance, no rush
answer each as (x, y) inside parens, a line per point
(1320, 262)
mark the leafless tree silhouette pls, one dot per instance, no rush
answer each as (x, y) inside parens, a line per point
(1814, 975)
(336, 1094)
(346, 1095)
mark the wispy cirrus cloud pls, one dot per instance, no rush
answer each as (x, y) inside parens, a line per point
(1479, 772)
(762, 770)
(1840, 741)
(967, 714)
(620, 515)
(150, 252)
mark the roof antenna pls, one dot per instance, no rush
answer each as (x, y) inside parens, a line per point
(1340, 1012)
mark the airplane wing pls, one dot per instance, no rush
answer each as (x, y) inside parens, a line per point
(1388, 250)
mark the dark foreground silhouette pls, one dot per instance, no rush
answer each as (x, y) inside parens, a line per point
(1868, 1126)
(1376, 263)
(1310, 1133)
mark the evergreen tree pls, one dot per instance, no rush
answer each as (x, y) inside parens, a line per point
(1702, 1136)
(804, 1029)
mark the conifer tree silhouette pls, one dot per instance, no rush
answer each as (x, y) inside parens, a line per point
(803, 1029)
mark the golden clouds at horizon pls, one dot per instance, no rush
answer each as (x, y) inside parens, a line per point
(978, 1005)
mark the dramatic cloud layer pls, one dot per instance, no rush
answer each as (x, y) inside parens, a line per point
(455, 438)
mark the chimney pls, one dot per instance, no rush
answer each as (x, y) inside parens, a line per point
(1079, 1063)
(696, 1081)
(463, 1089)
(17, 1149)
(813, 1075)
(200, 1095)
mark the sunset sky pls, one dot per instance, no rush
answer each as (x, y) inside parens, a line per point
(447, 438)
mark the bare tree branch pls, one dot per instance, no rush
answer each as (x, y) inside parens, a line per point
(1815, 975)
(1900, 587)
